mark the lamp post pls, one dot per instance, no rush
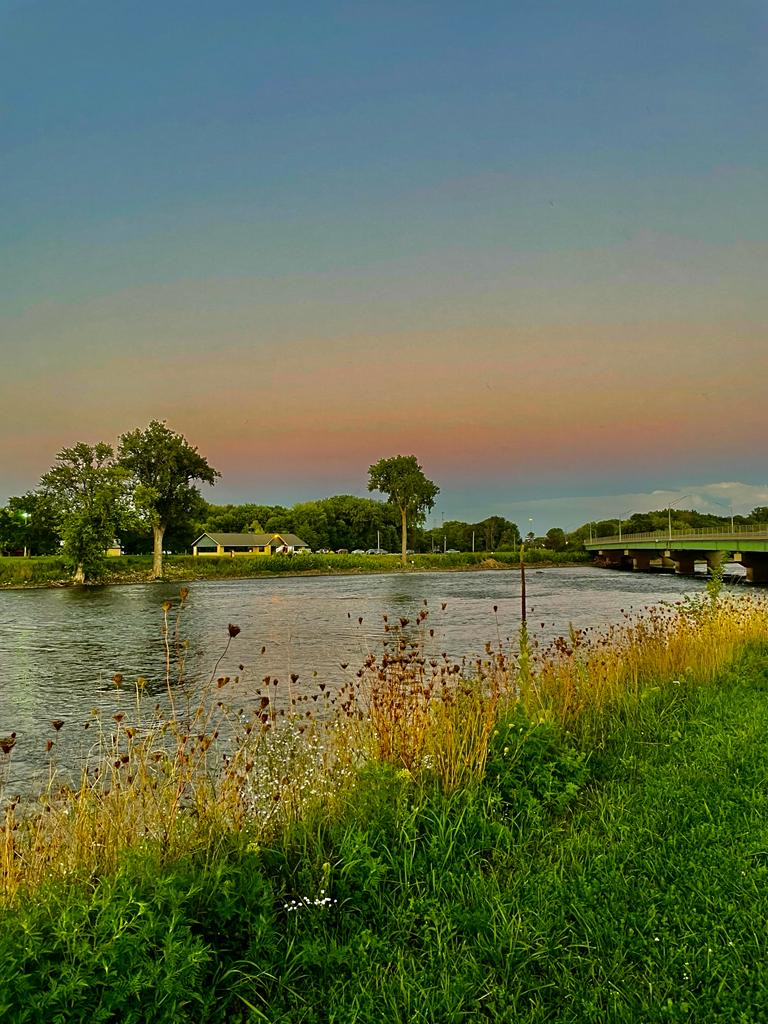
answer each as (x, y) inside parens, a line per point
(626, 514)
(669, 516)
(728, 505)
(26, 516)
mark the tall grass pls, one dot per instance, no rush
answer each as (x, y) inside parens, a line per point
(169, 778)
(175, 775)
(401, 849)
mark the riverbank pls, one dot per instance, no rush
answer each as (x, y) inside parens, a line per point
(50, 571)
(576, 835)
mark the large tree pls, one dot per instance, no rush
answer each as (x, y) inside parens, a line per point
(163, 465)
(402, 479)
(88, 491)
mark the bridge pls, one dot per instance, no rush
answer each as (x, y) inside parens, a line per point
(678, 550)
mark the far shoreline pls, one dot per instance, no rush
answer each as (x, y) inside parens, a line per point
(184, 573)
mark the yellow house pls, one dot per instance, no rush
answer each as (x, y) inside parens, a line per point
(249, 544)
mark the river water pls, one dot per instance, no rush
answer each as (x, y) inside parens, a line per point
(60, 648)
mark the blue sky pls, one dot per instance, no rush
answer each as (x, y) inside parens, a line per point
(524, 241)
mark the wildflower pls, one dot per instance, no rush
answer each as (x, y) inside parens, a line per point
(7, 743)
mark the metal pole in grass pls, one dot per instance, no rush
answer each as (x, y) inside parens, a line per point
(523, 609)
(524, 671)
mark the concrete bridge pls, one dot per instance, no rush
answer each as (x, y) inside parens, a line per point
(678, 550)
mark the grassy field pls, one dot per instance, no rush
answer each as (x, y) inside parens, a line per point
(50, 570)
(573, 835)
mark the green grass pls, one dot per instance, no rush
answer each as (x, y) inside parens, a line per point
(50, 570)
(625, 882)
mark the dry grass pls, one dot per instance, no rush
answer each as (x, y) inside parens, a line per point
(580, 676)
(176, 778)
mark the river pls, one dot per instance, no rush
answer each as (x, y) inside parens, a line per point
(60, 648)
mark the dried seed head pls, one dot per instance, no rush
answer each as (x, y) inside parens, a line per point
(7, 743)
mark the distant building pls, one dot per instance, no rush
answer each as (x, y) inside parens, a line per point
(249, 544)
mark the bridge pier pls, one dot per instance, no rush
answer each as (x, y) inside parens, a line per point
(641, 560)
(715, 560)
(756, 566)
(684, 563)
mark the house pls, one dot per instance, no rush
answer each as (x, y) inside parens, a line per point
(249, 544)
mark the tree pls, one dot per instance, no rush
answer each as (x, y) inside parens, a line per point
(556, 540)
(37, 515)
(163, 465)
(88, 492)
(401, 478)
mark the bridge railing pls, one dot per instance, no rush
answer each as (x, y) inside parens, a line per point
(758, 531)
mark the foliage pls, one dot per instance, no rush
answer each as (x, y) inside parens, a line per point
(556, 540)
(144, 944)
(245, 518)
(532, 897)
(533, 767)
(87, 489)
(29, 521)
(163, 465)
(495, 533)
(435, 843)
(402, 479)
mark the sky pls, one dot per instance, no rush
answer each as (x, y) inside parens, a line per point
(525, 241)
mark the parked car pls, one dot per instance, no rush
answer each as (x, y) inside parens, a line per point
(358, 551)
(342, 551)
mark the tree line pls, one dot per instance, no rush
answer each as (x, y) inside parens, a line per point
(143, 493)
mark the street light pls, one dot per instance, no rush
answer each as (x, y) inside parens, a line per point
(624, 515)
(669, 514)
(25, 516)
(725, 504)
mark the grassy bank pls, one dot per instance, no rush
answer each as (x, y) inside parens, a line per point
(572, 835)
(51, 571)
